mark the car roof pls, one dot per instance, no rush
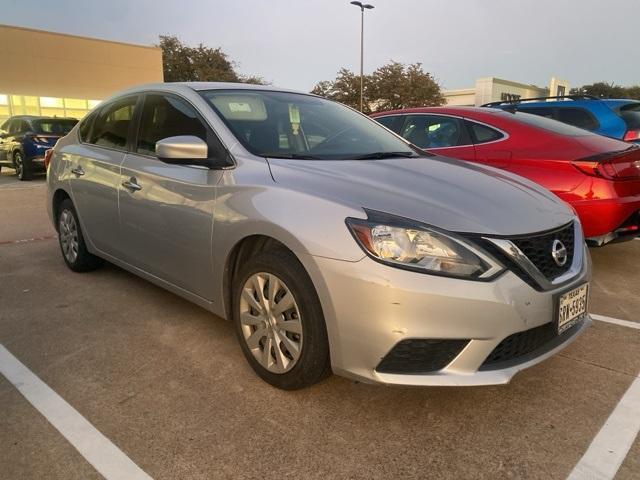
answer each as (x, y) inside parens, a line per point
(453, 110)
(199, 86)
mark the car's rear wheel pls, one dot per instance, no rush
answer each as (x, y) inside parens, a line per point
(22, 166)
(72, 245)
(279, 321)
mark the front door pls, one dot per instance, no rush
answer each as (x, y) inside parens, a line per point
(166, 211)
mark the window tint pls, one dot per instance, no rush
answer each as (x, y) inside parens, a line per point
(548, 124)
(5, 126)
(484, 134)
(631, 115)
(111, 126)
(85, 127)
(392, 122)
(54, 126)
(577, 117)
(166, 116)
(432, 131)
(18, 126)
(540, 111)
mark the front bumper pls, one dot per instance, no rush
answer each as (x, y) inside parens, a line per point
(369, 308)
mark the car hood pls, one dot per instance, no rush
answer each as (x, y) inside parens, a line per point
(450, 194)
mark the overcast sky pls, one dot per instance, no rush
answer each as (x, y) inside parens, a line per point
(295, 43)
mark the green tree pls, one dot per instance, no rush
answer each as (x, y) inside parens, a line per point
(600, 90)
(344, 89)
(391, 86)
(182, 63)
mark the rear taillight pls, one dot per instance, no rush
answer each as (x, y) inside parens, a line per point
(632, 136)
(47, 158)
(623, 165)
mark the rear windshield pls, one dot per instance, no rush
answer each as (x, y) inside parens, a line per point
(54, 126)
(549, 124)
(291, 125)
(631, 115)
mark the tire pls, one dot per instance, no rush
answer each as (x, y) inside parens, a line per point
(289, 277)
(72, 245)
(22, 166)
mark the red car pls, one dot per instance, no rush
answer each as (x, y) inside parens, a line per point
(598, 176)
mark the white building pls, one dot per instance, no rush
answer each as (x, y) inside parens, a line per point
(491, 89)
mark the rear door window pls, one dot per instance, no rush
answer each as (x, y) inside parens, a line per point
(578, 117)
(166, 116)
(435, 131)
(112, 124)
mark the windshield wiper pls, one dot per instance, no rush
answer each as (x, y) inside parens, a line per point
(294, 156)
(381, 155)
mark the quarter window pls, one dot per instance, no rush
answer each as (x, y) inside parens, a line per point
(433, 131)
(484, 134)
(166, 116)
(111, 126)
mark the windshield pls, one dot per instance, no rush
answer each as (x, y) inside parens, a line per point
(291, 125)
(54, 126)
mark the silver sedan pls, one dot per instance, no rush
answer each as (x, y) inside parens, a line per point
(330, 242)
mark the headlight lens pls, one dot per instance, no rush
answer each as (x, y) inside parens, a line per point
(424, 249)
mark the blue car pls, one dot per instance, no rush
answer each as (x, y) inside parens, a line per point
(614, 118)
(25, 138)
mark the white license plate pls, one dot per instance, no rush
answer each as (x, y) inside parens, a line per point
(572, 307)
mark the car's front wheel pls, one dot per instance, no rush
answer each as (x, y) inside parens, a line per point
(72, 244)
(279, 321)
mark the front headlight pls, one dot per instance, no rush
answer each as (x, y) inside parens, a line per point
(397, 242)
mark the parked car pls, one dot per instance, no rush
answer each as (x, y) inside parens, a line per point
(24, 139)
(616, 118)
(329, 241)
(598, 176)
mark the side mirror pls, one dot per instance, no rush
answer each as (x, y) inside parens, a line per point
(183, 150)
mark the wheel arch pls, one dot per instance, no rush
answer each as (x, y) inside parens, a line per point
(59, 196)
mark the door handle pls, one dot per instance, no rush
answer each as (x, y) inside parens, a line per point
(78, 171)
(131, 185)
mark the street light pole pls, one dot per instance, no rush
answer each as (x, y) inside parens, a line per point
(362, 7)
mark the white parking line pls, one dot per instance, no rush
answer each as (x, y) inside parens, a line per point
(616, 321)
(103, 455)
(612, 443)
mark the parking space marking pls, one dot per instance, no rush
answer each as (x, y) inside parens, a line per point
(616, 321)
(614, 440)
(103, 455)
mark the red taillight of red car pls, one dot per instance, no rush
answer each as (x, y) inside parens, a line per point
(47, 158)
(623, 165)
(632, 136)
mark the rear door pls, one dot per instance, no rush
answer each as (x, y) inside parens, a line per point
(489, 144)
(95, 172)
(440, 134)
(166, 210)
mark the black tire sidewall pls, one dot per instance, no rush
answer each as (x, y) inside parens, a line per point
(313, 364)
(25, 168)
(85, 261)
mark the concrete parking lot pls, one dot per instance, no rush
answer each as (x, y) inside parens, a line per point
(165, 382)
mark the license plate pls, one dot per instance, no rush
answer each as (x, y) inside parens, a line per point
(572, 307)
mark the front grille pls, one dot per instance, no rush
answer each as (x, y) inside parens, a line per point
(420, 355)
(538, 250)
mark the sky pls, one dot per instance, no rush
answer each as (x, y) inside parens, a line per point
(296, 43)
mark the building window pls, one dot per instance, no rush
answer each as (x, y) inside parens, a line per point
(11, 105)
